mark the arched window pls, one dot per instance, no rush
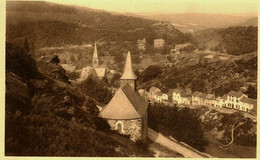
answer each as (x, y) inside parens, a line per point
(120, 126)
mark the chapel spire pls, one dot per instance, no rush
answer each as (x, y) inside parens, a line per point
(128, 75)
(95, 57)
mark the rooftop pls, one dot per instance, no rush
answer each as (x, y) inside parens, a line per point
(126, 104)
(154, 89)
(235, 94)
(159, 94)
(177, 90)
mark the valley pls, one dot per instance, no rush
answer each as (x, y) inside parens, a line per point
(64, 67)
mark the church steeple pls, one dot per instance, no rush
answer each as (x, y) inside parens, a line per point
(95, 57)
(128, 75)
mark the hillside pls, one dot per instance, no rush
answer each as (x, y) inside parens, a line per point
(200, 71)
(232, 40)
(51, 25)
(50, 117)
(191, 22)
(250, 22)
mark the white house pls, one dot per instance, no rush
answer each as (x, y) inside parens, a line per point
(152, 91)
(209, 100)
(176, 95)
(198, 98)
(180, 97)
(160, 97)
(233, 99)
(158, 43)
(220, 101)
(248, 104)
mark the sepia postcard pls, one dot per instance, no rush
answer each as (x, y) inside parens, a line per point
(143, 79)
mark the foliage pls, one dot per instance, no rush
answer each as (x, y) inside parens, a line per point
(151, 72)
(188, 49)
(96, 89)
(239, 40)
(243, 134)
(59, 25)
(119, 58)
(180, 123)
(73, 75)
(251, 92)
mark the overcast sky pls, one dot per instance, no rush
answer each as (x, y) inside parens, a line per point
(169, 6)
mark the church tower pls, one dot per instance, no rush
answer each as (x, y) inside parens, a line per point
(95, 57)
(128, 75)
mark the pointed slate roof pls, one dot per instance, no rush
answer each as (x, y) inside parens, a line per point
(95, 55)
(126, 104)
(128, 71)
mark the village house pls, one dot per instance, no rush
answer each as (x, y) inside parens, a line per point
(158, 43)
(143, 93)
(178, 47)
(198, 98)
(209, 100)
(233, 99)
(127, 110)
(180, 97)
(159, 97)
(141, 44)
(186, 99)
(152, 92)
(248, 104)
(176, 96)
(220, 102)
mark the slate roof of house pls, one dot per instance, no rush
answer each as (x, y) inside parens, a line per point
(128, 71)
(104, 65)
(186, 95)
(210, 96)
(154, 89)
(196, 94)
(235, 94)
(159, 94)
(249, 100)
(177, 90)
(224, 97)
(126, 104)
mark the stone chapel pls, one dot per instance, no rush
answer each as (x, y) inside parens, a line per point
(127, 110)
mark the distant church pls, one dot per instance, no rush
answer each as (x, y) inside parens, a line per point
(127, 110)
(95, 70)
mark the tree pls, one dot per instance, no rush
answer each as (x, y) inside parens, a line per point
(119, 58)
(97, 89)
(233, 121)
(251, 92)
(151, 72)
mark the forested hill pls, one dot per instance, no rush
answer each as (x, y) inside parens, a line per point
(233, 40)
(48, 24)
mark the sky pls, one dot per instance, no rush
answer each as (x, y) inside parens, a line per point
(169, 6)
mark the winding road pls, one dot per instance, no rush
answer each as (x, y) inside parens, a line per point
(175, 146)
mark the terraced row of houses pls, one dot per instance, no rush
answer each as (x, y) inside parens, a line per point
(233, 100)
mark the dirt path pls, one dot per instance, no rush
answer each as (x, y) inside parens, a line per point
(164, 141)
